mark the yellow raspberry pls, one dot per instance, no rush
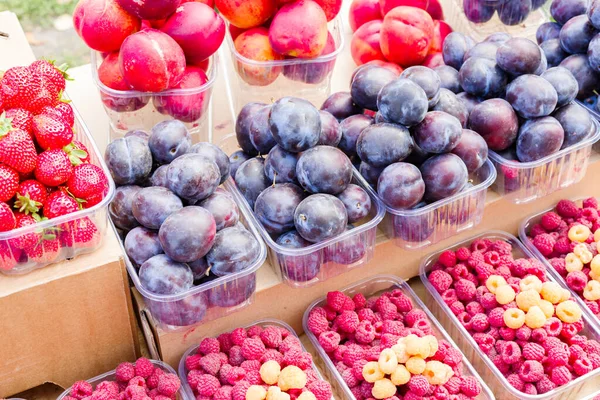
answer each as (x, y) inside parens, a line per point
(400, 376)
(415, 365)
(400, 350)
(528, 299)
(256, 392)
(283, 396)
(581, 250)
(387, 361)
(371, 372)
(437, 373)
(291, 377)
(505, 294)
(568, 311)
(552, 292)
(594, 276)
(269, 372)
(514, 318)
(307, 396)
(566, 295)
(579, 233)
(592, 291)
(573, 263)
(547, 307)
(273, 393)
(530, 282)
(598, 247)
(433, 344)
(383, 389)
(535, 317)
(595, 264)
(416, 346)
(586, 257)
(597, 235)
(494, 282)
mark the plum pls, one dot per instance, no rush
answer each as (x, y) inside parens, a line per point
(251, 180)
(427, 79)
(593, 53)
(188, 234)
(576, 123)
(531, 96)
(129, 160)
(347, 251)
(403, 101)
(547, 31)
(448, 78)
(380, 145)
(587, 78)
(298, 268)
(163, 276)
(200, 268)
(367, 83)
(260, 131)
(324, 169)
(564, 83)
(275, 206)
(468, 100)
(496, 121)
(370, 173)
(234, 250)
(472, 149)
(401, 186)
(438, 133)
(216, 155)
(417, 156)
(169, 140)
(142, 244)
(341, 105)
(320, 217)
(242, 127)
(482, 77)
(152, 205)
(331, 132)
(236, 159)
(451, 104)
(538, 138)
(357, 202)
(193, 176)
(543, 65)
(519, 56)
(351, 129)
(280, 165)
(444, 175)
(563, 10)
(554, 52)
(478, 11)
(483, 50)
(120, 208)
(159, 176)
(414, 228)
(515, 12)
(223, 209)
(190, 310)
(498, 37)
(593, 12)
(455, 47)
(139, 133)
(233, 293)
(576, 34)
(295, 124)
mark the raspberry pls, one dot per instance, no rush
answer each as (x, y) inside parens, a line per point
(545, 385)
(453, 357)
(440, 280)
(353, 353)
(511, 352)
(298, 357)
(225, 342)
(271, 354)
(453, 385)
(211, 363)
(321, 390)
(553, 326)
(418, 385)
(223, 393)
(168, 384)
(533, 351)
(516, 381)
(492, 258)
(557, 356)
(336, 300)
(137, 381)
(550, 221)
(484, 271)
(463, 254)
(593, 306)
(251, 365)
(531, 371)
(503, 367)
(238, 336)
(457, 308)
(366, 314)
(357, 369)
(507, 333)
(449, 296)
(590, 202)
(255, 330)
(235, 375)
(480, 323)
(544, 243)
(317, 322)
(253, 377)
(568, 331)
(271, 337)
(590, 214)
(465, 290)
(81, 389)
(252, 348)
(595, 360)
(239, 390)
(567, 209)
(330, 340)
(488, 301)
(365, 333)
(484, 341)
(124, 372)
(193, 362)
(348, 321)
(360, 301)
(402, 303)
(562, 245)
(480, 245)
(413, 316)
(582, 366)
(523, 333)
(152, 381)
(593, 347)
(447, 259)
(224, 373)
(458, 272)
(101, 395)
(577, 280)
(235, 356)
(110, 387)
(470, 386)
(349, 378)
(193, 377)
(579, 340)
(561, 375)
(575, 353)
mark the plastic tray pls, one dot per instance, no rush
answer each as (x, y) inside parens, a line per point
(593, 396)
(576, 389)
(310, 265)
(195, 306)
(306, 78)
(185, 386)
(97, 214)
(371, 287)
(110, 376)
(525, 182)
(131, 110)
(415, 229)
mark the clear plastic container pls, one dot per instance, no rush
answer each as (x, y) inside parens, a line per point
(593, 396)
(111, 376)
(263, 81)
(522, 182)
(576, 389)
(185, 386)
(418, 228)
(518, 25)
(375, 286)
(14, 261)
(208, 301)
(320, 261)
(131, 109)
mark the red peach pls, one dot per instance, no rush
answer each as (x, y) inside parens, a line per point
(389, 5)
(433, 60)
(234, 31)
(150, 9)
(363, 11)
(386, 64)
(247, 13)
(103, 24)
(406, 35)
(330, 7)
(185, 107)
(254, 44)
(210, 3)
(109, 73)
(151, 61)
(365, 43)
(440, 31)
(154, 24)
(198, 29)
(313, 72)
(204, 65)
(434, 8)
(299, 29)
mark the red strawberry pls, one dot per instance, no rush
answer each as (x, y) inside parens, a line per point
(77, 152)
(27, 240)
(52, 131)
(67, 112)
(17, 149)
(50, 73)
(46, 249)
(81, 233)
(8, 256)
(59, 203)
(20, 119)
(9, 182)
(18, 87)
(88, 182)
(7, 218)
(31, 196)
(53, 167)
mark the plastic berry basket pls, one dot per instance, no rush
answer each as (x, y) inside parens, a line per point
(418, 228)
(207, 301)
(375, 286)
(15, 262)
(312, 264)
(528, 181)
(576, 389)
(111, 376)
(306, 78)
(131, 110)
(185, 386)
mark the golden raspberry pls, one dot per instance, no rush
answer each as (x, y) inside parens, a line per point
(283, 396)
(597, 235)
(273, 393)
(535, 317)
(598, 247)
(494, 282)
(437, 373)
(371, 372)
(552, 292)
(415, 365)
(594, 276)
(400, 350)
(566, 295)
(307, 396)
(568, 311)
(291, 377)
(528, 299)
(505, 294)
(514, 318)
(387, 361)
(579, 233)
(581, 250)
(547, 307)
(573, 263)
(400, 376)
(433, 344)
(595, 264)
(269, 372)
(383, 389)
(592, 291)
(530, 282)
(416, 346)
(256, 392)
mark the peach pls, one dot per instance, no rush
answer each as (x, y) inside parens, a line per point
(210, 3)
(434, 8)
(365, 43)
(313, 72)
(433, 60)
(406, 35)
(103, 24)
(299, 29)
(330, 7)
(198, 29)
(389, 5)
(151, 61)
(185, 107)
(254, 44)
(234, 31)
(386, 64)
(150, 9)
(363, 11)
(247, 13)
(440, 31)
(154, 24)
(109, 73)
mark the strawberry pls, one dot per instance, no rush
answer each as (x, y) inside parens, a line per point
(17, 149)
(46, 249)
(26, 240)
(53, 167)
(8, 256)
(31, 196)
(77, 152)
(7, 218)
(51, 131)
(81, 233)
(20, 119)
(88, 182)
(59, 203)
(50, 73)
(9, 182)
(18, 87)
(67, 112)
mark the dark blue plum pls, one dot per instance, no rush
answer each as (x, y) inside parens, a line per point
(233, 293)
(380, 145)
(514, 12)
(280, 165)
(242, 127)
(159, 176)
(468, 100)
(260, 131)
(347, 251)
(519, 56)
(120, 208)
(298, 268)
(236, 159)
(403, 101)
(563, 10)
(481, 77)
(215, 154)
(444, 176)
(576, 34)
(168, 140)
(594, 13)
(554, 52)
(331, 132)
(576, 122)
(564, 83)
(477, 11)
(152, 205)
(200, 268)
(367, 83)
(161, 275)
(351, 129)
(448, 78)
(223, 209)
(324, 169)
(320, 217)
(188, 234)
(531, 96)
(593, 53)
(251, 180)
(472, 149)
(275, 206)
(141, 134)
(141, 244)
(379, 118)
(455, 47)
(341, 105)
(483, 50)
(496, 121)
(587, 78)
(438, 133)
(452, 105)
(547, 31)
(539, 138)
(193, 176)
(129, 160)
(185, 312)
(357, 202)
(401, 186)
(418, 156)
(295, 124)
(543, 65)
(370, 173)
(234, 250)
(427, 79)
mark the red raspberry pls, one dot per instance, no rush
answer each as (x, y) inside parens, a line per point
(353, 353)
(288, 343)
(544, 243)
(110, 387)
(143, 367)
(550, 221)
(388, 340)
(503, 367)
(235, 375)
(484, 271)
(134, 393)
(480, 322)
(458, 272)
(484, 341)
(469, 386)
(457, 308)
(575, 353)
(317, 322)
(365, 333)
(595, 360)
(516, 382)
(557, 356)
(440, 280)
(211, 363)
(463, 254)
(507, 333)
(238, 336)
(193, 377)
(253, 348)
(366, 314)
(582, 366)
(392, 327)
(360, 301)
(311, 376)
(447, 259)
(536, 229)
(403, 303)
(413, 316)
(545, 385)
(357, 369)
(465, 290)
(561, 375)
(453, 385)
(593, 347)
(373, 353)
(81, 389)
(225, 342)
(488, 301)
(299, 358)
(529, 388)
(224, 373)
(511, 352)
(590, 214)
(418, 385)
(223, 393)
(531, 371)
(533, 351)
(271, 354)
(386, 309)
(481, 245)
(558, 264)
(348, 321)
(593, 306)
(330, 341)
(348, 305)
(137, 381)
(152, 381)
(492, 258)
(254, 330)
(253, 377)
(168, 384)
(567, 209)
(336, 300)
(271, 337)
(449, 296)
(209, 345)
(321, 390)
(579, 340)
(568, 331)
(577, 280)
(193, 362)
(349, 378)
(553, 326)
(239, 390)
(453, 357)
(235, 356)
(590, 202)
(124, 372)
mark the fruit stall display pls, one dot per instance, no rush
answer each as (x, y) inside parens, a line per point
(152, 61)
(55, 185)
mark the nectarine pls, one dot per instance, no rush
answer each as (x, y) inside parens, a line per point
(247, 13)
(406, 35)
(185, 107)
(365, 43)
(150, 9)
(109, 73)
(363, 11)
(389, 5)
(313, 72)
(254, 44)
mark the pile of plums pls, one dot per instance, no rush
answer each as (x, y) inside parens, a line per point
(181, 230)
(510, 12)
(298, 182)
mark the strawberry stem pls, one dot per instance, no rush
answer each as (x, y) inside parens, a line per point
(27, 205)
(5, 124)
